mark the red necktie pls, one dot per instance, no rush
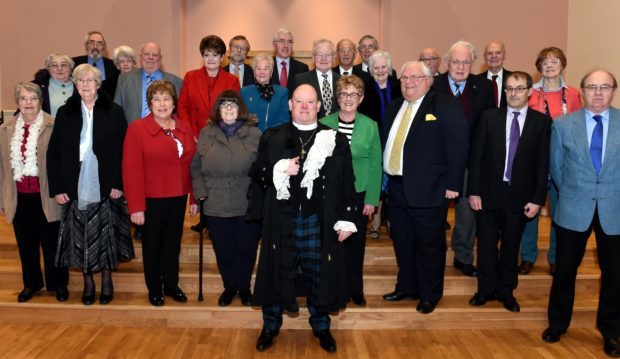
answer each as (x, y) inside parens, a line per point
(495, 90)
(283, 75)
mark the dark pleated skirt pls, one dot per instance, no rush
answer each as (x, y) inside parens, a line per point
(96, 238)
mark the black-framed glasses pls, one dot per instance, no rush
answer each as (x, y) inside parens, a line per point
(519, 89)
(229, 105)
(347, 95)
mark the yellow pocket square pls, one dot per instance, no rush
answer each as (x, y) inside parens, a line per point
(430, 117)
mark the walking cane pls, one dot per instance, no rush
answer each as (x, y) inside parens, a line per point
(201, 207)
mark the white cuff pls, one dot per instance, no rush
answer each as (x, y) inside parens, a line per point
(281, 179)
(345, 226)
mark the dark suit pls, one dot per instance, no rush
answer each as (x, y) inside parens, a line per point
(502, 217)
(371, 105)
(434, 158)
(310, 78)
(359, 69)
(111, 73)
(500, 88)
(365, 76)
(476, 97)
(295, 67)
(248, 74)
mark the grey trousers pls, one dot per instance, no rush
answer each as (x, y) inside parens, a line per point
(464, 233)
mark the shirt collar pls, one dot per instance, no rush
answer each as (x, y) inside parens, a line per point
(589, 114)
(539, 84)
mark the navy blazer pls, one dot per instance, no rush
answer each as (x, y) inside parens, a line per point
(502, 88)
(295, 67)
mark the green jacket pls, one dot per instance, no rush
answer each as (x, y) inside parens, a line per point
(366, 151)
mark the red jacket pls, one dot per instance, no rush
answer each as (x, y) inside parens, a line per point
(151, 164)
(195, 101)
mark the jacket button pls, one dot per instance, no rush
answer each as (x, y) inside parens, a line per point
(348, 208)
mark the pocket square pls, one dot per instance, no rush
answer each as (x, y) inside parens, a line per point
(430, 117)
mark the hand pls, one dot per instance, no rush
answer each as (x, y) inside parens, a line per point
(342, 235)
(61, 198)
(531, 210)
(193, 209)
(475, 202)
(368, 210)
(293, 166)
(116, 194)
(451, 194)
(137, 218)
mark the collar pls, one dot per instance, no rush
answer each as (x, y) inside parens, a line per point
(499, 73)
(279, 61)
(58, 83)
(522, 112)
(328, 73)
(589, 114)
(539, 84)
(309, 127)
(154, 128)
(452, 82)
(155, 75)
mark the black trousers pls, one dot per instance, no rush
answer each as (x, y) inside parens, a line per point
(498, 269)
(31, 230)
(571, 246)
(235, 242)
(161, 242)
(419, 244)
(357, 246)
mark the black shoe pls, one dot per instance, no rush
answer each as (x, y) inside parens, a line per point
(426, 307)
(326, 340)
(467, 269)
(62, 294)
(510, 303)
(156, 299)
(137, 233)
(199, 227)
(226, 297)
(246, 297)
(265, 339)
(396, 296)
(552, 268)
(481, 299)
(525, 267)
(612, 347)
(176, 294)
(106, 298)
(359, 299)
(552, 335)
(88, 299)
(25, 295)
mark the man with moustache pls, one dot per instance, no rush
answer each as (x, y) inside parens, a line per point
(239, 48)
(585, 166)
(132, 86)
(425, 143)
(431, 58)
(95, 46)
(303, 190)
(494, 56)
(287, 67)
(508, 169)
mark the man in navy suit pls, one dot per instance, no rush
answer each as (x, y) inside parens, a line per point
(494, 56)
(285, 66)
(425, 143)
(508, 170)
(95, 46)
(585, 166)
(239, 48)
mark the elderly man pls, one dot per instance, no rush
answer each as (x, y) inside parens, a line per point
(345, 50)
(432, 59)
(322, 78)
(95, 46)
(286, 65)
(585, 166)
(474, 95)
(494, 56)
(239, 48)
(504, 189)
(425, 144)
(303, 187)
(131, 88)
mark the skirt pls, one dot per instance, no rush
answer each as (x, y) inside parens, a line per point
(95, 238)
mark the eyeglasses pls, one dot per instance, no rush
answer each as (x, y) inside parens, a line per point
(604, 88)
(228, 105)
(239, 47)
(347, 95)
(96, 43)
(57, 66)
(28, 99)
(367, 47)
(457, 63)
(429, 59)
(324, 54)
(550, 62)
(87, 81)
(284, 42)
(412, 78)
(518, 90)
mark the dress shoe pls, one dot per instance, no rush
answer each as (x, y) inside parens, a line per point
(25, 295)
(62, 294)
(510, 303)
(176, 294)
(359, 299)
(552, 268)
(106, 298)
(88, 299)
(395, 296)
(199, 227)
(265, 339)
(612, 347)
(137, 233)
(426, 307)
(246, 297)
(481, 299)
(156, 299)
(326, 340)
(467, 269)
(525, 267)
(226, 297)
(552, 335)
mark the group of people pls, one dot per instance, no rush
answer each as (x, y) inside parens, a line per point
(303, 160)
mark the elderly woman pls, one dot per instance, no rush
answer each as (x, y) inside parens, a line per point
(124, 58)
(55, 81)
(551, 96)
(379, 93)
(24, 198)
(363, 135)
(226, 149)
(84, 170)
(266, 101)
(157, 154)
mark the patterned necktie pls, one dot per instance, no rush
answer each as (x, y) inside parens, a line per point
(495, 90)
(326, 94)
(458, 90)
(399, 141)
(596, 143)
(146, 110)
(515, 133)
(283, 75)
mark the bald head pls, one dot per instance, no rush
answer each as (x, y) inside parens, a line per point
(150, 57)
(431, 58)
(494, 55)
(304, 105)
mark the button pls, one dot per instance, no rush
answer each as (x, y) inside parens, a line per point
(348, 208)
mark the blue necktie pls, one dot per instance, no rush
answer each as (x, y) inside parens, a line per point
(596, 144)
(515, 134)
(457, 87)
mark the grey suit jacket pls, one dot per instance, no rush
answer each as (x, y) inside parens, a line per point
(128, 93)
(581, 190)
